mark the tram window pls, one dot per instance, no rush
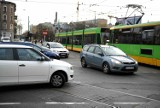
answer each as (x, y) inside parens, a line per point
(89, 39)
(105, 37)
(148, 36)
(77, 40)
(157, 35)
(128, 38)
(146, 51)
(70, 40)
(98, 39)
(126, 30)
(148, 28)
(63, 40)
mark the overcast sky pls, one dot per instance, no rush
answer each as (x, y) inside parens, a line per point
(40, 11)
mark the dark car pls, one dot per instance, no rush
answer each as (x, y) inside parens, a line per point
(108, 58)
(44, 50)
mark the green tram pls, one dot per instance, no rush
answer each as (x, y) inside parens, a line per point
(75, 40)
(140, 41)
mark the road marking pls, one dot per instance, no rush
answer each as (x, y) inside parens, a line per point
(66, 103)
(129, 103)
(10, 103)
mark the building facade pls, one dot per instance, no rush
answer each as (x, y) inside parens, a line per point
(7, 19)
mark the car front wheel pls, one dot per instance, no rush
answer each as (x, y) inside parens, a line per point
(83, 63)
(106, 68)
(57, 80)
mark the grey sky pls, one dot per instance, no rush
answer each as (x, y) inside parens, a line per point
(40, 11)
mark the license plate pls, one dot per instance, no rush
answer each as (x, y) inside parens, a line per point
(63, 54)
(129, 67)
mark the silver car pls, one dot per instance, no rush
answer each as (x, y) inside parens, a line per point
(108, 58)
(58, 48)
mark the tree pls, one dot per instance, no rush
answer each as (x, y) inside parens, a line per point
(50, 29)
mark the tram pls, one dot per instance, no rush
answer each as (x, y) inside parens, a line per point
(75, 40)
(140, 41)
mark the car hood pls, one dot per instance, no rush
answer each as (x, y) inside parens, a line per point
(60, 63)
(50, 53)
(58, 49)
(123, 58)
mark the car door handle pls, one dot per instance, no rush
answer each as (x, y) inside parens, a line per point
(22, 65)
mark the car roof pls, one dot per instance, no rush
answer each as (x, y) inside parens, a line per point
(13, 46)
(106, 46)
(53, 42)
(20, 43)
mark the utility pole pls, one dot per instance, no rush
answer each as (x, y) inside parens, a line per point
(28, 24)
(78, 12)
(29, 31)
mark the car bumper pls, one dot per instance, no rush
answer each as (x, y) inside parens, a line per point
(70, 75)
(125, 68)
(63, 54)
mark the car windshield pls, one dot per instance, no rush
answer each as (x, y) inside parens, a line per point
(113, 51)
(6, 39)
(56, 45)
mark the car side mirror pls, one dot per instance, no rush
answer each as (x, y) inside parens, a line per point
(48, 46)
(41, 58)
(42, 51)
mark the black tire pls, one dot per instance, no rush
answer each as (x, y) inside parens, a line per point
(57, 80)
(83, 63)
(106, 68)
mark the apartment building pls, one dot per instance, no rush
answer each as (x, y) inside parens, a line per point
(7, 19)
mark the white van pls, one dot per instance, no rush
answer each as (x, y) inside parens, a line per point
(5, 39)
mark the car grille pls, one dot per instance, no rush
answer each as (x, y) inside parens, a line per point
(125, 69)
(62, 51)
(128, 62)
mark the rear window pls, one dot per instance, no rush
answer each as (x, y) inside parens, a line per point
(6, 54)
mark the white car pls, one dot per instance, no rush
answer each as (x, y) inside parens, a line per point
(5, 39)
(58, 48)
(22, 64)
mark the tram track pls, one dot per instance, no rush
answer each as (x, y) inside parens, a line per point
(102, 98)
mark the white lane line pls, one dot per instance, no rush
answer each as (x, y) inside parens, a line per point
(10, 103)
(66, 103)
(129, 103)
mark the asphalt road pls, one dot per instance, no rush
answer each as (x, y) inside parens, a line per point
(91, 88)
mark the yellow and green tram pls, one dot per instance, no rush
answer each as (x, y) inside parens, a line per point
(140, 41)
(75, 40)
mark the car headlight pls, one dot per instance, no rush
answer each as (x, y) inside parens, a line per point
(67, 51)
(136, 62)
(55, 51)
(115, 61)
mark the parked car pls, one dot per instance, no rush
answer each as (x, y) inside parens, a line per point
(58, 48)
(20, 64)
(44, 50)
(5, 39)
(108, 58)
